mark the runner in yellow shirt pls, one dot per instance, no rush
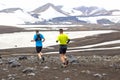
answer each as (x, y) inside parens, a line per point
(63, 40)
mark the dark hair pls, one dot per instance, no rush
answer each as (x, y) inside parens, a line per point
(37, 31)
(60, 30)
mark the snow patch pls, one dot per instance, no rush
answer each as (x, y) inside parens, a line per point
(23, 39)
(50, 13)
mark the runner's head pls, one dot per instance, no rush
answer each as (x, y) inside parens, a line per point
(61, 30)
(37, 31)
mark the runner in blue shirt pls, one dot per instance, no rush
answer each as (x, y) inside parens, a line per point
(39, 39)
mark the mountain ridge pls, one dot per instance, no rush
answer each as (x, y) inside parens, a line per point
(10, 10)
(50, 12)
(46, 6)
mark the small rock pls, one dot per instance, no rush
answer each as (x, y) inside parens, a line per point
(31, 74)
(15, 64)
(12, 75)
(28, 70)
(11, 78)
(72, 59)
(97, 75)
(22, 57)
(67, 79)
(11, 61)
(104, 74)
(86, 71)
(66, 71)
(115, 65)
(5, 69)
(46, 67)
(56, 77)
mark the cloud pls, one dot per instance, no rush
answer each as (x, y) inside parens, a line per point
(32, 4)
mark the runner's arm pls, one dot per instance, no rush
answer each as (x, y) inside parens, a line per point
(68, 41)
(43, 39)
(33, 39)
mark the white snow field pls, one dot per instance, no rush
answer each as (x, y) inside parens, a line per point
(23, 39)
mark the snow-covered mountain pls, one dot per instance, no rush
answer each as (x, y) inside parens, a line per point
(77, 11)
(92, 11)
(49, 13)
(79, 14)
(11, 16)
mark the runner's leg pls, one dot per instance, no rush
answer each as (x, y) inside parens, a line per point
(38, 49)
(62, 58)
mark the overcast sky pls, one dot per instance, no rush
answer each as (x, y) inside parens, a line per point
(31, 4)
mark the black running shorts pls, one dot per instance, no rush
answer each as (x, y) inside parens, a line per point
(38, 49)
(62, 49)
